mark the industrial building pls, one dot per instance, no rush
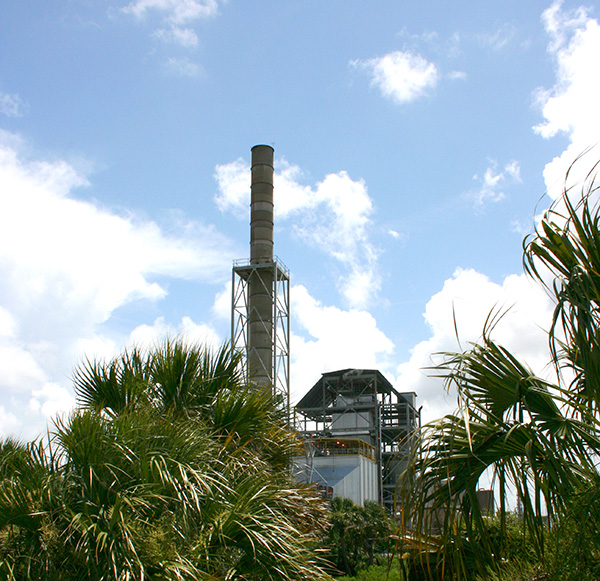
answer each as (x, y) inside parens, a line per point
(355, 424)
(357, 430)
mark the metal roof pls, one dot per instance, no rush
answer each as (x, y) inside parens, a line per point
(322, 394)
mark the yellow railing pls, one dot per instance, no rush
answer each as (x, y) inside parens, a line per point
(343, 447)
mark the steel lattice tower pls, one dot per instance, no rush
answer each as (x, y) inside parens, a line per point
(260, 314)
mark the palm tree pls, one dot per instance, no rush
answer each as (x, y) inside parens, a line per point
(358, 534)
(537, 439)
(171, 468)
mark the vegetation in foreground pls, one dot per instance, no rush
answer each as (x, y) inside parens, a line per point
(396, 570)
(358, 535)
(539, 439)
(170, 468)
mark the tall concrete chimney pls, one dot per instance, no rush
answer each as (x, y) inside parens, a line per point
(260, 286)
(260, 291)
(261, 205)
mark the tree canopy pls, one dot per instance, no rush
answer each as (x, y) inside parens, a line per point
(171, 467)
(538, 439)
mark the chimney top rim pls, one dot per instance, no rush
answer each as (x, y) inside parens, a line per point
(262, 145)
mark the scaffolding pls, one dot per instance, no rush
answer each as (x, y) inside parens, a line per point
(274, 278)
(361, 404)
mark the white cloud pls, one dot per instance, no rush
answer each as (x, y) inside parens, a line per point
(11, 105)
(571, 105)
(233, 180)
(29, 398)
(19, 367)
(7, 323)
(145, 336)
(493, 181)
(523, 229)
(177, 19)
(291, 197)
(333, 216)
(185, 37)
(57, 246)
(500, 38)
(561, 24)
(221, 308)
(457, 75)
(453, 50)
(65, 266)
(51, 400)
(333, 339)
(9, 423)
(401, 76)
(468, 298)
(97, 346)
(177, 12)
(183, 67)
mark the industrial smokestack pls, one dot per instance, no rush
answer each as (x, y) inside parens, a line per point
(261, 205)
(261, 285)
(260, 291)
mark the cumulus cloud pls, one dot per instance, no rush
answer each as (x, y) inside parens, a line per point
(233, 180)
(51, 400)
(11, 105)
(333, 339)
(493, 181)
(183, 67)
(148, 335)
(65, 266)
(183, 36)
(177, 17)
(29, 397)
(457, 75)
(178, 12)
(333, 216)
(400, 76)
(55, 244)
(9, 423)
(570, 107)
(462, 306)
(221, 308)
(500, 38)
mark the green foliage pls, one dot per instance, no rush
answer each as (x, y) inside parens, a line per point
(358, 534)
(573, 547)
(396, 570)
(538, 439)
(571, 551)
(171, 468)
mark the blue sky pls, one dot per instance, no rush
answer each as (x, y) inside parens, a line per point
(414, 143)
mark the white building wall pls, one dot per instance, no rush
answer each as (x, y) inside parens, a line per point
(351, 476)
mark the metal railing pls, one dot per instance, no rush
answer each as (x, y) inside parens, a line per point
(343, 447)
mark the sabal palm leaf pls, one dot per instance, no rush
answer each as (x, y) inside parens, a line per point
(187, 378)
(511, 428)
(246, 418)
(24, 473)
(535, 439)
(567, 243)
(257, 528)
(114, 386)
(171, 469)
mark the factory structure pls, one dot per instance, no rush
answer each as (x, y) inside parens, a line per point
(355, 425)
